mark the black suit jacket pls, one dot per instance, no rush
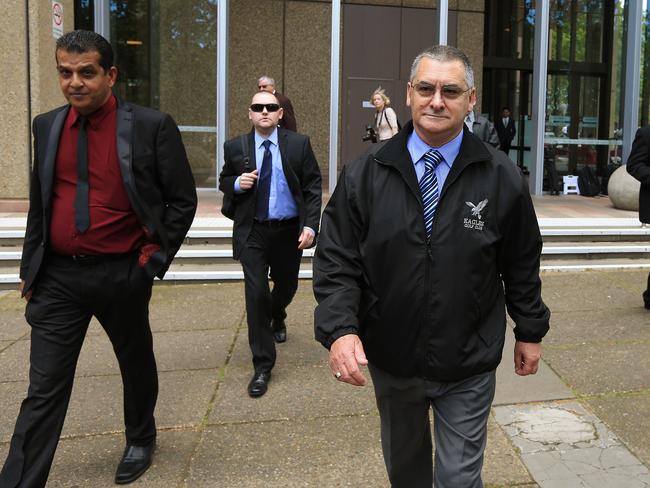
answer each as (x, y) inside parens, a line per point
(300, 169)
(506, 133)
(638, 165)
(156, 175)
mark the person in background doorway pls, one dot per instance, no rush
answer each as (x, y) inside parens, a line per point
(288, 120)
(505, 126)
(386, 124)
(482, 128)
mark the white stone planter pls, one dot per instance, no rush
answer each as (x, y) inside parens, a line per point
(623, 190)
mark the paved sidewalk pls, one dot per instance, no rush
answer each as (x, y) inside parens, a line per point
(584, 417)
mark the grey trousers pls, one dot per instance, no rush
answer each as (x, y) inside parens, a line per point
(460, 413)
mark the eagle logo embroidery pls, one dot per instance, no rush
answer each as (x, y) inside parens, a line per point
(478, 208)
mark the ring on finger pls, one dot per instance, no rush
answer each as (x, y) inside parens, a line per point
(337, 375)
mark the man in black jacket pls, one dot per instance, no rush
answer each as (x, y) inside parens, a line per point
(423, 244)
(273, 179)
(638, 165)
(111, 199)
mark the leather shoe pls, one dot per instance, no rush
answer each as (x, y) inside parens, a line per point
(279, 331)
(259, 384)
(135, 461)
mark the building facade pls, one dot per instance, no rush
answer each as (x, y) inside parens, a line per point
(200, 60)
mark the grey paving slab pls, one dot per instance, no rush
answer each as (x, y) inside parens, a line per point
(563, 444)
(300, 348)
(295, 392)
(14, 362)
(502, 465)
(174, 351)
(584, 326)
(12, 394)
(511, 388)
(587, 290)
(553, 426)
(190, 307)
(603, 367)
(629, 417)
(187, 350)
(13, 325)
(91, 461)
(13, 329)
(324, 452)
(96, 403)
(589, 468)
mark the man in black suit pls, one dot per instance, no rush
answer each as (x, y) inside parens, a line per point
(275, 182)
(505, 126)
(638, 165)
(111, 199)
(288, 119)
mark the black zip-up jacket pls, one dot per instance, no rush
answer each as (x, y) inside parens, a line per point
(433, 310)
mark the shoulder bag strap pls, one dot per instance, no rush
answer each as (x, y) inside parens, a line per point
(243, 139)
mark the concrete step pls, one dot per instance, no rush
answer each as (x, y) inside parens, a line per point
(569, 244)
(194, 254)
(206, 254)
(209, 273)
(223, 236)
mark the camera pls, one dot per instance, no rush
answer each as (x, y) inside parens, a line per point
(370, 134)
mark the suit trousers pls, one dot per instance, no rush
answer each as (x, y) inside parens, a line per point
(270, 246)
(68, 293)
(460, 413)
(646, 294)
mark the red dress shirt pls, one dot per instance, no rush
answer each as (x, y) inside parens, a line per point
(114, 227)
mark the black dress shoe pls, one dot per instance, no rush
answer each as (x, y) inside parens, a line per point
(135, 461)
(279, 330)
(259, 384)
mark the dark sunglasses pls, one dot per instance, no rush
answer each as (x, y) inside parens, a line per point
(270, 107)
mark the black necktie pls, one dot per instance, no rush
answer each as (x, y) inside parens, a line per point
(264, 185)
(81, 212)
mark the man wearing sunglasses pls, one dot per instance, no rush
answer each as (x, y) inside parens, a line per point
(275, 183)
(425, 242)
(288, 120)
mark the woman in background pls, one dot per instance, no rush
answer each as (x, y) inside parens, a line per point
(386, 125)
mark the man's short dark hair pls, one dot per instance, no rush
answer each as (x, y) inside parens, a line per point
(506, 108)
(83, 41)
(443, 53)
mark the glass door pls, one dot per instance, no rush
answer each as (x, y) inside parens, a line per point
(165, 52)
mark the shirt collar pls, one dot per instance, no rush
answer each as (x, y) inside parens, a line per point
(273, 138)
(94, 119)
(418, 148)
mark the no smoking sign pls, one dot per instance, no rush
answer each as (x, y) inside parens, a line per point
(57, 19)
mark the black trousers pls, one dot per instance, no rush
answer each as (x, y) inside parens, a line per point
(67, 295)
(646, 294)
(271, 246)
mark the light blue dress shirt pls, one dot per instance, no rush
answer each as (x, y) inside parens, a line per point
(449, 151)
(282, 205)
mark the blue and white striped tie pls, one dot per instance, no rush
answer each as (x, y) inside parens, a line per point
(429, 188)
